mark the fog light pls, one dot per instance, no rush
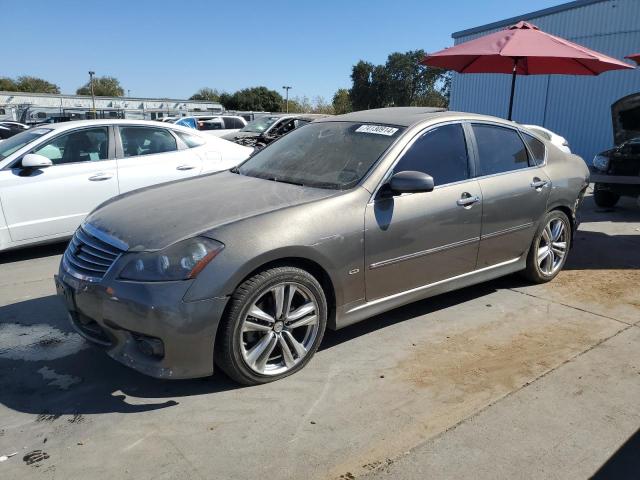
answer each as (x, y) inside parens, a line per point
(149, 346)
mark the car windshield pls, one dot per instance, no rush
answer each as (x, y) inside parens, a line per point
(15, 143)
(334, 155)
(259, 125)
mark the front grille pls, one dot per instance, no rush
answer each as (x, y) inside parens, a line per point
(91, 253)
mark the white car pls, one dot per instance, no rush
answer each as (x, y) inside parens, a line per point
(554, 138)
(52, 176)
(217, 125)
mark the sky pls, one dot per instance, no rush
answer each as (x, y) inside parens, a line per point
(170, 49)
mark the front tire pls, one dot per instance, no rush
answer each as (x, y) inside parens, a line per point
(549, 249)
(605, 198)
(274, 324)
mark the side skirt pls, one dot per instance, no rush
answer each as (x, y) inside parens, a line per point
(352, 314)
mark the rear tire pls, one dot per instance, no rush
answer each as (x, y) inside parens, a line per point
(605, 198)
(274, 324)
(549, 249)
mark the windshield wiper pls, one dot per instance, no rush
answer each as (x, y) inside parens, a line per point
(235, 170)
(280, 180)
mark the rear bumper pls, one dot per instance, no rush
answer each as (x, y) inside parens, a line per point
(598, 177)
(126, 318)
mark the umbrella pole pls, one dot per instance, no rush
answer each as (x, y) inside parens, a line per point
(513, 86)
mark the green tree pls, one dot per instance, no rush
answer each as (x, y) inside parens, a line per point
(206, 93)
(320, 105)
(401, 81)
(255, 98)
(361, 92)
(102, 87)
(342, 102)
(26, 83)
(7, 84)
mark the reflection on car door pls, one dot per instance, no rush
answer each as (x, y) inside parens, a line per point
(150, 155)
(515, 192)
(54, 200)
(417, 239)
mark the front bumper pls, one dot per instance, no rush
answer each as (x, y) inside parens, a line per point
(596, 176)
(123, 317)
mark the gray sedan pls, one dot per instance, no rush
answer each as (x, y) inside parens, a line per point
(342, 219)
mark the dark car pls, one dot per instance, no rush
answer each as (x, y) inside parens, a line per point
(8, 129)
(264, 130)
(616, 172)
(338, 221)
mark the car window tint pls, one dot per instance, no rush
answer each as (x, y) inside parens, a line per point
(146, 141)
(191, 140)
(441, 153)
(230, 122)
(500, 149)
(536, 148)
(215, 124)
(86, 145)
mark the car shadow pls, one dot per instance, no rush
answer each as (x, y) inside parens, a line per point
(30, 253)
(624, 463)
(93, 383)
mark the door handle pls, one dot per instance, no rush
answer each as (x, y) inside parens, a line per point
(99, 177)
(185, 167)
(538, 184)
(467, 200)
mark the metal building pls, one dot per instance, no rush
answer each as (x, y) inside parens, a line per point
(576, 107)
(39, 107)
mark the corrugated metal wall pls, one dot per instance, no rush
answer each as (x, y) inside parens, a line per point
(576, 107)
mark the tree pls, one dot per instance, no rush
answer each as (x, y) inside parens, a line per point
(322, 106)
(206, 93)
(102, 87)
(401, 81)
(361, 89)
(8, 85)
(255, 98)
(29, 84)
(342, 102)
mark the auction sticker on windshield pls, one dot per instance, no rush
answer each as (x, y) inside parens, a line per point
(377, 129)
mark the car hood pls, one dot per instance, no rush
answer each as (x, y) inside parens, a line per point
(239, 134)
(155, 217)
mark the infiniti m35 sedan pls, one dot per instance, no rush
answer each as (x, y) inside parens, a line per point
(342, 219)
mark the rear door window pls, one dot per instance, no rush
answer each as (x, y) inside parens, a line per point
(500, 149)
(138, 141)
(441, 152)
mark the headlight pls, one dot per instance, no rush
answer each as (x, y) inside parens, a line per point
(180, 261)
(601, 162)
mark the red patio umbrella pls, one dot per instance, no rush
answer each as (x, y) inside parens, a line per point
(522, 49)
(635, 57)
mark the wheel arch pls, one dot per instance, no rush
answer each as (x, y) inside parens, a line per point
(319, 272)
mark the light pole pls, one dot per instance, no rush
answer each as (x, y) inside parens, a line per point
(286, 89)
(93, 97)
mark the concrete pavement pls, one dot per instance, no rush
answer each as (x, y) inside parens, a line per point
(500, 380)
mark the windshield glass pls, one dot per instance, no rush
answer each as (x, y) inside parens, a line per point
(260, 125)
(15, 143)
(327, 155)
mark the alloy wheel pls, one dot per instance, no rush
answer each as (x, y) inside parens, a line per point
(279, 328)
(552, 247)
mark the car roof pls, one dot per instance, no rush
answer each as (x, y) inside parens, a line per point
(408, 116)
(89, 123)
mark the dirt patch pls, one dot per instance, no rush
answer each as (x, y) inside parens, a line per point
(492, 357)
(607, 287)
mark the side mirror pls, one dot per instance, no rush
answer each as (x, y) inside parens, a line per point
(33, 160)
(411, 182)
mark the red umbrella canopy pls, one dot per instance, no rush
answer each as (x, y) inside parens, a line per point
(534, 52)
(635, 57)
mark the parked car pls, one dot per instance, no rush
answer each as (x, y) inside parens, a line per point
(51, 177)
(554, 138)
(268, 128)
(9, 129)
(218, 125)
(343, 219)
(616, 172)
